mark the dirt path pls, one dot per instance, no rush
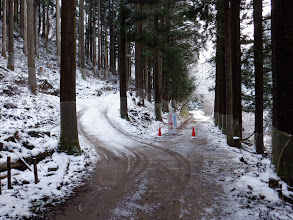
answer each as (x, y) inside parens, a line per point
(173, 177)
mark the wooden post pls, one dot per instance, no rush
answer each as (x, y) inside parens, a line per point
(35, 170)
(9, 173)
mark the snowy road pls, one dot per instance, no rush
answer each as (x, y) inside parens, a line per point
(173, 177)
(169, 177)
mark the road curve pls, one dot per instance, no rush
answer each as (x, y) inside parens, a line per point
(167, 178)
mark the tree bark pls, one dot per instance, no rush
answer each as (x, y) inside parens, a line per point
(36, 29)
(150, 80)
(21, 17)
(44, 20)
(90, 27)
(87, 49)
(157, 86)
(228, 70)
(99, 37)
(106, 49)
(81, 38)
(112, 37)
(282, 44)
(15, 17)
(58, 31)
(258, 66)
(32, 80)
(122, 61)
(145, 75)
(138, 56)
(69, 134)
(39, 17)
(4, 34)
(25, 26)
(94, 39)
(218, 88)
(236, 71)
(10, 64)
(222, 69)
(47, 27)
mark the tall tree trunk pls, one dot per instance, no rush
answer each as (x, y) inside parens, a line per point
(236, 71)
(138, 56)
(106, 65)
(36, 29)
(106, 50)
(94, 39)
(115, 45)
(87, 48)
(149, 91)
(24, 26)
(48, 26)
(218, 86)
(99, 37)
(128, 58)
(165, 77)
(145, 75)
(282, 42)
(15, 17)
(157, 87)
(102, 40)
(44, 19)
(89, 32)
(112, 36)
(10, 64)
(81, 37)
(228, 66)
(258, 66)
(39, 17)
(58, 31)
(165, 94)
(122, 60)
(4, 34)
(21, 17)
(221, 65)
(69, 134)
(32, 80)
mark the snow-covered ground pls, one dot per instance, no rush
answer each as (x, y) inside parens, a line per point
(30, 126)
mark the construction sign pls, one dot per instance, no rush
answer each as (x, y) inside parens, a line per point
(172, 123)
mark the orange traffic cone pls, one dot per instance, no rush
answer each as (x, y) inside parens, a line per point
(159, 134)
(193, 133)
